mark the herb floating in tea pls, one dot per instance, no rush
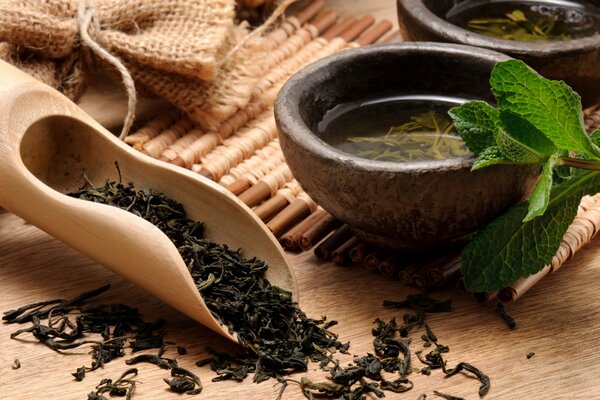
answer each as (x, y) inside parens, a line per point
(538, 122)
(395, 129)
(279, 337)
(16, 364)
(530, 354)
(516, 26)
(527, 20)
(428, 136)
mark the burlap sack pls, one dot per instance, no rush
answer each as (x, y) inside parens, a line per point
(177, 49)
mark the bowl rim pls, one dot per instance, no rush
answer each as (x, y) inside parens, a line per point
(432, 23)
(290, 121)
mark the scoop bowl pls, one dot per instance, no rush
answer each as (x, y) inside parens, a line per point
(47, 142)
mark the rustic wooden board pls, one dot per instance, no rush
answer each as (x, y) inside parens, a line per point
(557, 320)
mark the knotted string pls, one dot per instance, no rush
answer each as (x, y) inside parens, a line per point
(86, 14)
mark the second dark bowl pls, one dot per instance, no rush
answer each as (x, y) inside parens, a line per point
(407, 206)
(574, 61)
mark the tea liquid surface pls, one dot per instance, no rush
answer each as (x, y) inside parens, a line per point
(527, 20)
(396, 129)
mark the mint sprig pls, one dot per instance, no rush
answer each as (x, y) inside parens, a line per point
(537, 121)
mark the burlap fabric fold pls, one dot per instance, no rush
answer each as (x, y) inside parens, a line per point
(177, 49)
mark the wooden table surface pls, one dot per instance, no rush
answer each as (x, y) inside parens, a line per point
(557, 320)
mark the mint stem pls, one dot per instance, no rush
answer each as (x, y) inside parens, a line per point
(578, 163)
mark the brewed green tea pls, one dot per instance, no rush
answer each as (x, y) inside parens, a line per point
(527, 20)
(397, 129)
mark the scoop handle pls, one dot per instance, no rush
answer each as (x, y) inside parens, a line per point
(122, 242)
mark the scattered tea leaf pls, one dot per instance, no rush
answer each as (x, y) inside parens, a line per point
(501, 310)
(124, 386)
(463, 366)
(184, 381)
(447, 396)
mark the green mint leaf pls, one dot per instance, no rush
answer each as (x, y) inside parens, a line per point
(595, 137)
(516, 151)
(538, 200)
(476, 122)
(490, 156)
(561, 172)
(551, 106)
(508, 248)
(526, 133)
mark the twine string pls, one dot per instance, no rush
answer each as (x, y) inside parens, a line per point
(86, 14)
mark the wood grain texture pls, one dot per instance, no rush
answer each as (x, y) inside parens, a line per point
(558, 319)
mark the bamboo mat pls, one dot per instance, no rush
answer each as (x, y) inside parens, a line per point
(243, 155)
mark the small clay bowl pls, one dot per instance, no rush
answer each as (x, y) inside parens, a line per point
(574, 61)
(408, 206)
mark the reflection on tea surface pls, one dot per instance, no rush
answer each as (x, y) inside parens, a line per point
(398, 129)
(527, 20)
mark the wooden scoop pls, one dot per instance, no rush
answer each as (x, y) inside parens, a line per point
(47, 142)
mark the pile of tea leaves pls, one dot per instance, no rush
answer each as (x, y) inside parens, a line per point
(390, 367)
(387, 370)
(108, 329)
(278, 336)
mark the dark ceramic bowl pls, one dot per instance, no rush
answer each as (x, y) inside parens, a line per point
(577, 61)
(403, 206)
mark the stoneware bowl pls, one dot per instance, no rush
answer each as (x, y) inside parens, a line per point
(402, 206)
(577, 61)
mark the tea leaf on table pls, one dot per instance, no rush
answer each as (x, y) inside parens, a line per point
(508, 249)
(551, 106)
(476, 121)
(447, 396)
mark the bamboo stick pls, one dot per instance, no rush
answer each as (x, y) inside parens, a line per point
(373, 34)
(359, 252)
(152, 128)
(299, 209)
(592, 118)
(289, 240)
(267, 186)
(277, 203)
(338, 29)
(336, 239)
(318, 231)
(155, 146)
(247, 173)
(374, 258)
(359, 27)
(341, 255)
(390, 266)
